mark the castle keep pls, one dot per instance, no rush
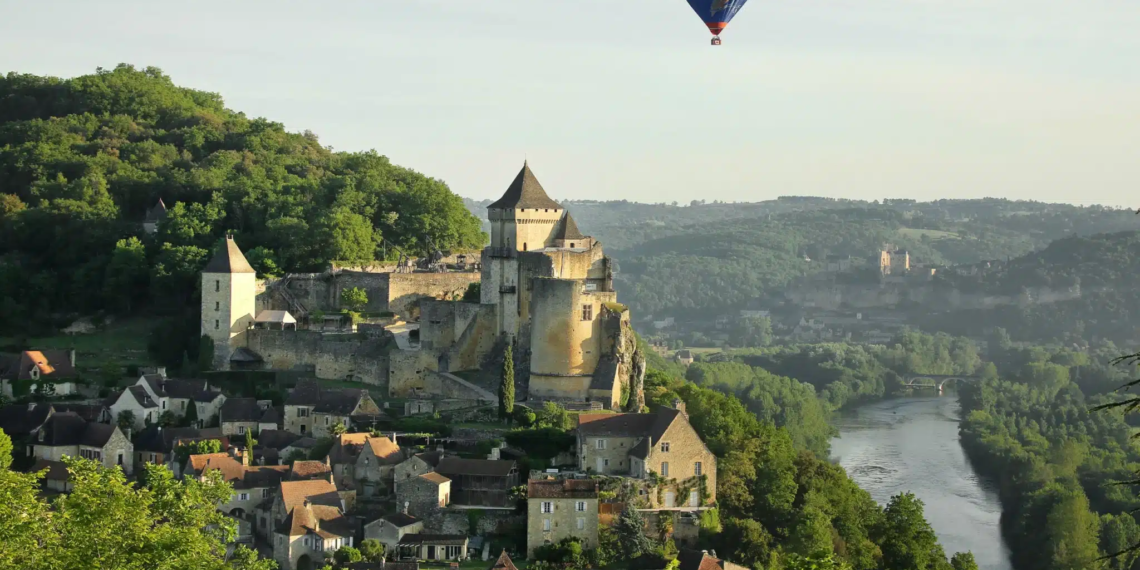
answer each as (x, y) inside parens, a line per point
(546, 289)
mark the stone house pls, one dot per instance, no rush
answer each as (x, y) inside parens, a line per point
(172, 394)
(97, 413)
(239, 415)
(375, 466)
(310, 409)
(422, 495)
(66, 434)
(558, 509)
(482, 482)
(415, 466)
(308, 523)
(685, 357)
(138, 402)
(57, 478)
(208, 404)
(389, 529)
(433, 546)
(659, 447)
(35, 367)
(252, 485)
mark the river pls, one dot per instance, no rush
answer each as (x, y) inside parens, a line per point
(911, 444)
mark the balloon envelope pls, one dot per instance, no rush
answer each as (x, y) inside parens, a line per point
(716, 14)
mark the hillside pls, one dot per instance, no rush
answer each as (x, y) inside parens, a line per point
(82, 160)
(1098, 270)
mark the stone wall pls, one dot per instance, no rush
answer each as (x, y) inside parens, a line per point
(488, 521)
(407, 370)
(563, 522)
(333, 356)
(405, 290)
(463, 333)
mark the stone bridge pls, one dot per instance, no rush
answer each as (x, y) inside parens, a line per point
(937, 380)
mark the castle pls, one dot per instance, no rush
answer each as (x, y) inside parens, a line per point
(546, 289)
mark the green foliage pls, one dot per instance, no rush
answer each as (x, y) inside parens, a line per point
(473, 293)
(373, 550)
(321, 449)
(906, 539)
(86, 157)
(5, 451)
(524, 416)
(346, 555)
(205, 354)
(629, 528)
(108, 522)
(167, 419)
(553, 415)
(190, 419)
(542, 443)
(296, 455)
(354, 299)
(338, 429)
(183, 452)
(507, 385)
(249, 441)
(963, 561)
(125, 420)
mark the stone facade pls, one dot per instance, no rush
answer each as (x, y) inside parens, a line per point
(391, 528)
(229, 295)
(420, 496)
(67, 435)
(558, 509)
(329, 356)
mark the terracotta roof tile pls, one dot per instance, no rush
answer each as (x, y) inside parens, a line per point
(435, 478)
(504, 562)
(303, 470)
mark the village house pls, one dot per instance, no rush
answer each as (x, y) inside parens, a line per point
(66, 434)
(239, 415)
(415, 466)
(310, 409)
(437, 547)
(479, 482)
(389, 529)
(252, 485)
(375, 456)
(424, 494)
(558, 509)
(685, 357)
(309, 523)
(97, 413)
(56, 476)
(172, 394)
(35, 367)
(309, 470)
(20, 420)
(658, 447)
(137, 402)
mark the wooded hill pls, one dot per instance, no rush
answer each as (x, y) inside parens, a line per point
(83, 159)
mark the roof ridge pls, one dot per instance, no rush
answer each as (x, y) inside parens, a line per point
(525, 192)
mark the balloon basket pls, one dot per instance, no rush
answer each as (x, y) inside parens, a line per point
(716, 40)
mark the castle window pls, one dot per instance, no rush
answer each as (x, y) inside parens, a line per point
(571, 245)
(524, 246)
(217, 305)
(217, 285)
(217, 325)
(665, 447)
(587, 312)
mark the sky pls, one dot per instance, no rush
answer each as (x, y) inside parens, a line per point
(863, 99)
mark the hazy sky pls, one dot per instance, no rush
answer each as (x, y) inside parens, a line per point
(627, 99)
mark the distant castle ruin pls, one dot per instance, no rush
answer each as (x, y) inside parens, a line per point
(545, 288)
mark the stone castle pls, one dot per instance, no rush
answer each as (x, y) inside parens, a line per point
(546, 289)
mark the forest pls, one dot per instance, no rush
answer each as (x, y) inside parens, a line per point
(1058, 462)
(82, 160)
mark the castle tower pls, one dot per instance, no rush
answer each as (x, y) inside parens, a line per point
(524, 219)
(229, 290)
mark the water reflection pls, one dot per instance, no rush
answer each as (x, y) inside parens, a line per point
(911, 444)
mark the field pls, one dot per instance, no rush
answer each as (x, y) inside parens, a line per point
(121, 344)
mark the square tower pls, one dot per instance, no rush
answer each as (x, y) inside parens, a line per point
(229, 292)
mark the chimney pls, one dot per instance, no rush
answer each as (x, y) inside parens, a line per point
(71, 356)
(161, 371)
(331, 480)
(494, 454)
(394, 437)
(31, 406)
(679, 405)
(246, 455)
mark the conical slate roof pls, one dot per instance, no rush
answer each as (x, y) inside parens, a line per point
(228, 260)
(524, 192)
(568, 229)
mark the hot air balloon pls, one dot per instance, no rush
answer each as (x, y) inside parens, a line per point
(716, 14)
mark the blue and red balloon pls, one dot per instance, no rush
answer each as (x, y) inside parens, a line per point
(716, 14)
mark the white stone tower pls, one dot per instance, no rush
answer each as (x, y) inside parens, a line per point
(229, 292)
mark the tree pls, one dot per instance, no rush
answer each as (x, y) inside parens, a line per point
(167, 419)
(191, 417)
(630, 529)
(5, 451)
(346, 555)
(507, 385)
(907, 540)
(127, 274)
(205, 354)
(347, 237)
(249, 441)
(201, 447)
(354, 299)
(338, 429)
(261, 260)
(126, 420)
(170, 523)
(295, 456)
(372, 550)
(554, 416)
(963, 561)
(473, 293)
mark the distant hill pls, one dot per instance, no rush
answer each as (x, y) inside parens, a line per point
(1100, 269)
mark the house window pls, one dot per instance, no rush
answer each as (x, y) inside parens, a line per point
(326, 420)
(302, 429)
(320, 543)
(601, 444)
(546, 524)
(581, 523)
(587, 312)
(265, 493)
(164, 404)
(243, 497)
(571, 245)
(302, 412)
(580, 507)
(183, 405)
(694, 498)
(241, 430)
(217, 285)
(697, 468)
(664, 468)
(217, 305)
(547, 507)
(665, 447)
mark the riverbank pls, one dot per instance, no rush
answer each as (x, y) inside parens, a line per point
(911, 443)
